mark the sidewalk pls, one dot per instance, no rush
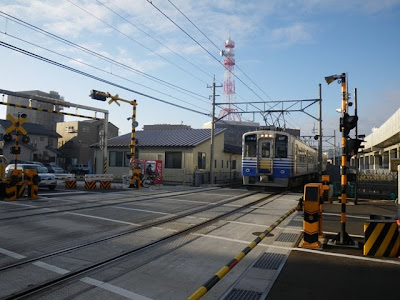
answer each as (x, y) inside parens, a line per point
(338, 272)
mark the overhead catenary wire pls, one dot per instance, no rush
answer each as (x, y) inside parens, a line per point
(22, 51)
(91, 52)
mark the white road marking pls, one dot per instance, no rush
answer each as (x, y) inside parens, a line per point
(303, 249)
(105, 219)
(16, 204)
(11, 254)
(50, 267)
(347, 216)
(114, 289)
(143, 210)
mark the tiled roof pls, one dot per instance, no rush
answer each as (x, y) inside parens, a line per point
(32, 128)
(164, 138)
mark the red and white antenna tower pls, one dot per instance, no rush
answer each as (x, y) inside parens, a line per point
(229, 113)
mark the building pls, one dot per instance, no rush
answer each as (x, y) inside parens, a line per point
(235, 130)
(382, 145)
(41, 147)
(185, 154)
(76, 138)
(47, 120)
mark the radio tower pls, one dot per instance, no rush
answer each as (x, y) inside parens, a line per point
(229, 113)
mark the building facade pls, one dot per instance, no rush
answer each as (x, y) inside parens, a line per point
(76, 138)
(185, 155)
(42, 146)
(382, 145)
(46, 119)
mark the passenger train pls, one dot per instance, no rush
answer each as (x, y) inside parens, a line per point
(273, 158)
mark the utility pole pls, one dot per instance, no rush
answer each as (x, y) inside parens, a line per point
(212, 130)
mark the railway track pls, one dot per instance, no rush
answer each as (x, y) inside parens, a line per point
(158, 232)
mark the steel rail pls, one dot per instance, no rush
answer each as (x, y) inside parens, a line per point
(27, 293)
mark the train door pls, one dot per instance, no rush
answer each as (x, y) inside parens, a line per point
(265, 147)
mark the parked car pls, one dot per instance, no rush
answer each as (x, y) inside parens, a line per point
(46, 179)
(80, 169)
(54, 169)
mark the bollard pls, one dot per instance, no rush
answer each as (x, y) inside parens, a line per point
(31, 179)
(312, 224)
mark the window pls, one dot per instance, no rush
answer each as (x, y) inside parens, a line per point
(222, 164)
(127, 158)
(173, 160)
(201, 160)
(250, 145)
(233, 164)
(116, 158)
(50, 141)
(265, 149)
(215, 164)
(281, 146)
(69, 129)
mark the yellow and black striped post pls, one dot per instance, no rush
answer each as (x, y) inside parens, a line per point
(134, 181)
(312, 216)
(31, 179)
(343, 238)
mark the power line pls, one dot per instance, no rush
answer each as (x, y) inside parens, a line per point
(161, 43)
(135, 41)
(217, 47)
(11, 47)
(91, 52)
(99, 69)
(149, 1)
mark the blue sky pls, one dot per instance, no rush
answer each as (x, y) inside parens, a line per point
(286, 48)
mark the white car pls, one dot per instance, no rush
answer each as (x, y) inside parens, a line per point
(46, 179)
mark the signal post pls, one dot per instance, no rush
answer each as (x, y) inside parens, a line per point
(349, 148)
(136, 178)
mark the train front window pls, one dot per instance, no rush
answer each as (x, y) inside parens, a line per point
(250, 145)
(281, 146)
(265, 149)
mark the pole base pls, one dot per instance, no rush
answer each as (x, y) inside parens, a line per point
(347, 240)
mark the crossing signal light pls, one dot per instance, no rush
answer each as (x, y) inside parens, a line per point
(352, 146)
(97, 95)
(347, 123)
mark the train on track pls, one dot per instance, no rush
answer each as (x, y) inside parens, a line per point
(275, 158)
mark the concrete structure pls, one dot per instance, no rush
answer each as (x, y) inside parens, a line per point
(381, 146)
(235, 130)
(47, 120)
(185, 154)
(76, 138)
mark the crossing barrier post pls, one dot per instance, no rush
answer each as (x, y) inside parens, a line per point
(70, 181)
(312, 224)
(31, 179)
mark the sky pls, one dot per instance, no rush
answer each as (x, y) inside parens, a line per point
(165, 54)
